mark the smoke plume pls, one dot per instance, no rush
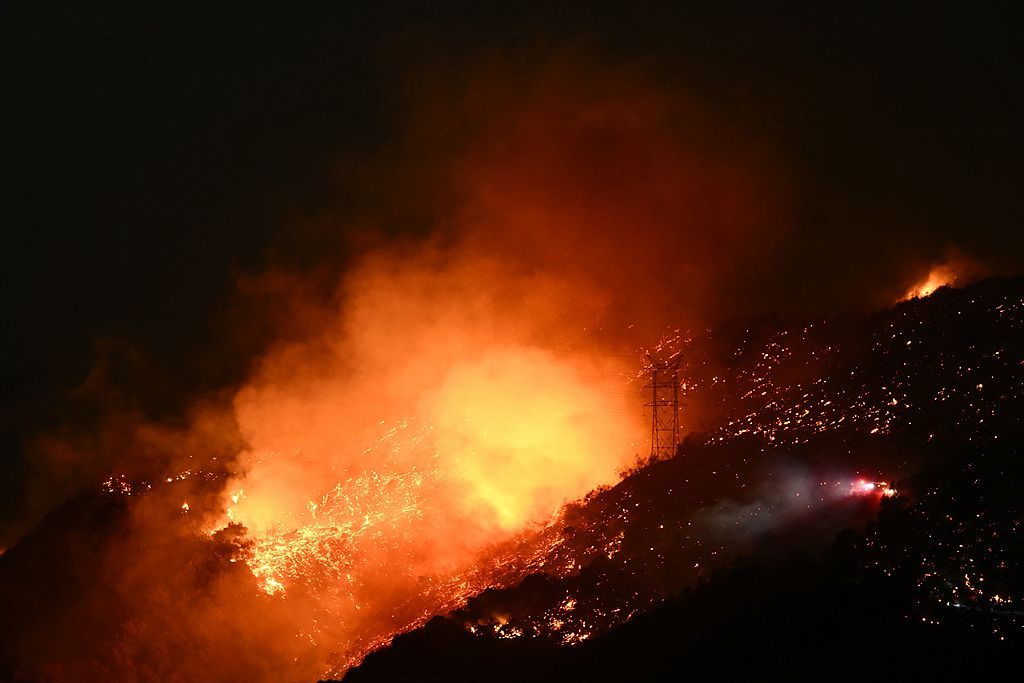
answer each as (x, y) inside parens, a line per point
(468, 371)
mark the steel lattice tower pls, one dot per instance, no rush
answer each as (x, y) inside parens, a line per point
(664, 388)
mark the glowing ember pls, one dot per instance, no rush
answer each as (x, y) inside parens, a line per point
(374, 541)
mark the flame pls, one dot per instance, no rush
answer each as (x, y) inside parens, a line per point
(939, 276)
(957, 268)
(373, 540)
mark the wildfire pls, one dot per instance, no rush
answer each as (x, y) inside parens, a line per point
(324, 549)
(462, 497)
(939, 276)
(956, 269)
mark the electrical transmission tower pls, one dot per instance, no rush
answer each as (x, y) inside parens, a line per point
(664, 388)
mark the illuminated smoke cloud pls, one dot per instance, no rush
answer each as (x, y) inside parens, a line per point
(421, 413)
(457, 390)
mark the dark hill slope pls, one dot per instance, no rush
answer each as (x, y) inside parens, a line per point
(737, 532)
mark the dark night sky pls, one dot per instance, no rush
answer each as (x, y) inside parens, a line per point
(149, 152)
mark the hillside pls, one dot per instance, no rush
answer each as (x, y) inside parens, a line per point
(754, 550)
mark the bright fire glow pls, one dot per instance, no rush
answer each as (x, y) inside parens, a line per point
(865, 487)
(939, 276)
(424, 521)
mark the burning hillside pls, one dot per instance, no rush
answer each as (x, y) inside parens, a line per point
(813, 422)
(780, 476)
(815, 413)
(417, 420)
(327, 325)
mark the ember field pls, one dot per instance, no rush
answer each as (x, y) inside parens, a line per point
(764, 514)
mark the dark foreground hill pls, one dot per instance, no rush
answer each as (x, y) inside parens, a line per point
(874, 603)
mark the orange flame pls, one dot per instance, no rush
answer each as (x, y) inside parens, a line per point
(956, 269)
(479, 432)
(939, 276)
